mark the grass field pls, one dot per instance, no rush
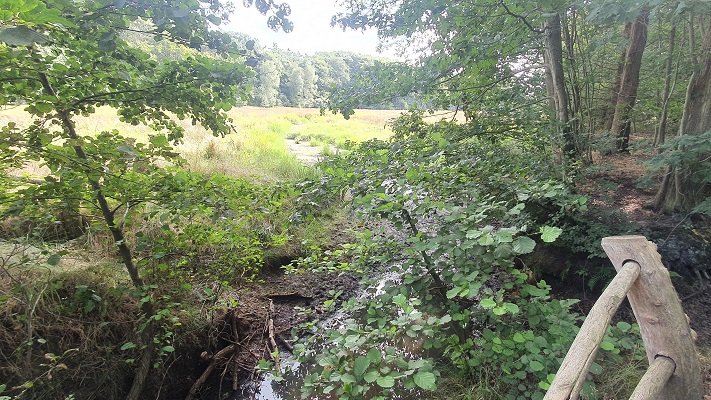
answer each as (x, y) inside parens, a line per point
(258, 147)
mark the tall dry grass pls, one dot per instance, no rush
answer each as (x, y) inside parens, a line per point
(256, 149)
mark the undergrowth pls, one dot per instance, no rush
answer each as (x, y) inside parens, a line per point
(450, 216)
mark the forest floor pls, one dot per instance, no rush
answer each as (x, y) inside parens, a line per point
(615, 185)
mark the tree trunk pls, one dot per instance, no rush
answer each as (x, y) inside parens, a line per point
(144, 367)
(666, 93)
(575, 100)
(682, 187)
(554, 58)
(609, 111)
(629, 82)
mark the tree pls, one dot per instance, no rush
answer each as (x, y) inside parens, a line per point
(685, 182)
(291, 83)
(310, 83)
(267, 90)
(66, 58)
(629, 81)
(553, 58)
(481, 55)
(661, 130)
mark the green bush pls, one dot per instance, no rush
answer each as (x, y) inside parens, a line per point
(452, 212)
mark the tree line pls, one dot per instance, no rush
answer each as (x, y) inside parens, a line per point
(284, 78)
(289, 79)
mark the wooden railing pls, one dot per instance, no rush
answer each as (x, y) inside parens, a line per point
(674, 371)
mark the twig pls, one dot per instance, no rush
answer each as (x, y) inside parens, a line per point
(285, 343)
(221, 355)
(166, 374)
(270, 327)
(696, 293)
(235, 338)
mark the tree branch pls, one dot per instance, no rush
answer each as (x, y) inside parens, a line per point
(101, 95)
(520, 18)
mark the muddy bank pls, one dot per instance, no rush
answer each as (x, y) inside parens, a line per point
(267, 314)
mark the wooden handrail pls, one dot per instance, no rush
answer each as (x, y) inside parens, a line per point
(654, 380)
(674, 372)
(571, 375)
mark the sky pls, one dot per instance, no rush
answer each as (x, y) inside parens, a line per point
(312, 30)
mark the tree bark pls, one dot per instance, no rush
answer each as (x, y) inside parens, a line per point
(666, 93)
(629, 82)
(682, 188)
(609, 111)
(569, 31)
(554, 58)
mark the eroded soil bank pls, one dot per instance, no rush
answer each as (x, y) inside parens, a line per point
(269, 312)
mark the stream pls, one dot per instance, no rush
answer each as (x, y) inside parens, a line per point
(289, 385)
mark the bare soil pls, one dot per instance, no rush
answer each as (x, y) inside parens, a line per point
(270, 312)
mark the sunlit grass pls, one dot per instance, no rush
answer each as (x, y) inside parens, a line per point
(257, 149)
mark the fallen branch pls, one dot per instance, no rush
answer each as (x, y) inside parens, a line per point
(235, 338)
(220, 356)
(285, 343)
(270, 330)
(293, 296)
(698, 292)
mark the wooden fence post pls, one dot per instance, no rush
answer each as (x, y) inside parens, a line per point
(662, 322)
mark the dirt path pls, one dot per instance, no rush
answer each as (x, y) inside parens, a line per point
(303, 151)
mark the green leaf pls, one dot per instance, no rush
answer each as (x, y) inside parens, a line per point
(167, 349)
(550, 233)
(536, 366)
(504, 236)
(53, 260)
(371, 376)
(348, 378)
(128, 345)
(486, 240)
(623, 326)
(218, 21)
(595, 368)
(425, 380)
(511, 308)
(523, 245)
(518, 338)
(473, 234)
(607, 346)
(499, 310)
(159, 140)
(416, 364)
(374, 356)
(385, 381)
(487, 303)
(452, 293)
(21, 36)
(361, 365)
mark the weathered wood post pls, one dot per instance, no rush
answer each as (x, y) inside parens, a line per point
(571, 376)
(662, 323)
